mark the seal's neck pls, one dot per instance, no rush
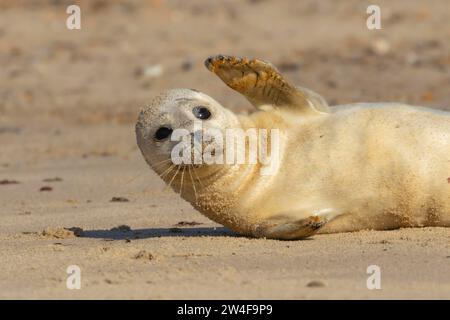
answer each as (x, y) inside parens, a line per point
(215, 189)
(195, 183)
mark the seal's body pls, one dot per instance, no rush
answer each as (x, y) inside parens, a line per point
(343, 168)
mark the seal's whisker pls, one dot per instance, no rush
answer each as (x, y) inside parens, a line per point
(161, 162)
(167, 171)
(173, 178)
(182, 178)
(132, 179)
(141, 175)
(193, 183)
(198, 178)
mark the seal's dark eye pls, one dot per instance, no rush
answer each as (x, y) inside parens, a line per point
(162, 133)
(201, 113)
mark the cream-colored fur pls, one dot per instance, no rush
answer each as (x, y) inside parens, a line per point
(361, 166)
(376, 166)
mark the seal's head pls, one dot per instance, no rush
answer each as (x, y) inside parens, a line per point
(173, 114)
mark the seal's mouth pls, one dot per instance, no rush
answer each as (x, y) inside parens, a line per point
(183, 165)
(164, 167)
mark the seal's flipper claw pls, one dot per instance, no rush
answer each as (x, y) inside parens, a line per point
(286, 227)
(291, 230)
(262, 84)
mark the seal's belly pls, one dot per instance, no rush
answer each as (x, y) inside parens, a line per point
(381, 168)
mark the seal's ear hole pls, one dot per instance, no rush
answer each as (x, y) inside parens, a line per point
(201, 112)
(163, 133)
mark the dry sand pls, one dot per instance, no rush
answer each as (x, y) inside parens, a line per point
(68, 102)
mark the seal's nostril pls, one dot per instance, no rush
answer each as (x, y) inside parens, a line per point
(197, 133)
(197, 136)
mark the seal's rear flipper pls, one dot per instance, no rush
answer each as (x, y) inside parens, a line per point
(262, 84)
(286, 227)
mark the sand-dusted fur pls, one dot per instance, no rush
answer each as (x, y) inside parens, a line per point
(343, 168)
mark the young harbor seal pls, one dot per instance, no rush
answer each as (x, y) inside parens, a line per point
(343, 168)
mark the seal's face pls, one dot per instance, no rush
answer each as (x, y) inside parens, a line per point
(176, 113)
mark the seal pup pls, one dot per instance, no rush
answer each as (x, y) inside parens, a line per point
(343, 168)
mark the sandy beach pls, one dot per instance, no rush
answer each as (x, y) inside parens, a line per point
(75, 190)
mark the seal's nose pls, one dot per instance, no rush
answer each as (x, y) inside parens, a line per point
(197, 136)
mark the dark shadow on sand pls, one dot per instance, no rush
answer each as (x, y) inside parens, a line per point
(158, 233)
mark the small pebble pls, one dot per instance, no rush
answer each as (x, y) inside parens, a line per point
(316, 284)
(56, 179)
(380, 46)
(144, 255)
(5, 182)
(153, 71)
(187, 65)
(119, 199)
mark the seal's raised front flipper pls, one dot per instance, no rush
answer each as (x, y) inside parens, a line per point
(286, 226)
(262, 84)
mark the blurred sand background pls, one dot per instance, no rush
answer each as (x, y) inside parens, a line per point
(68, 157)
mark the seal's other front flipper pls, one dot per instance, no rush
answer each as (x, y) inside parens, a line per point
(262, 84)
(286, 226)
